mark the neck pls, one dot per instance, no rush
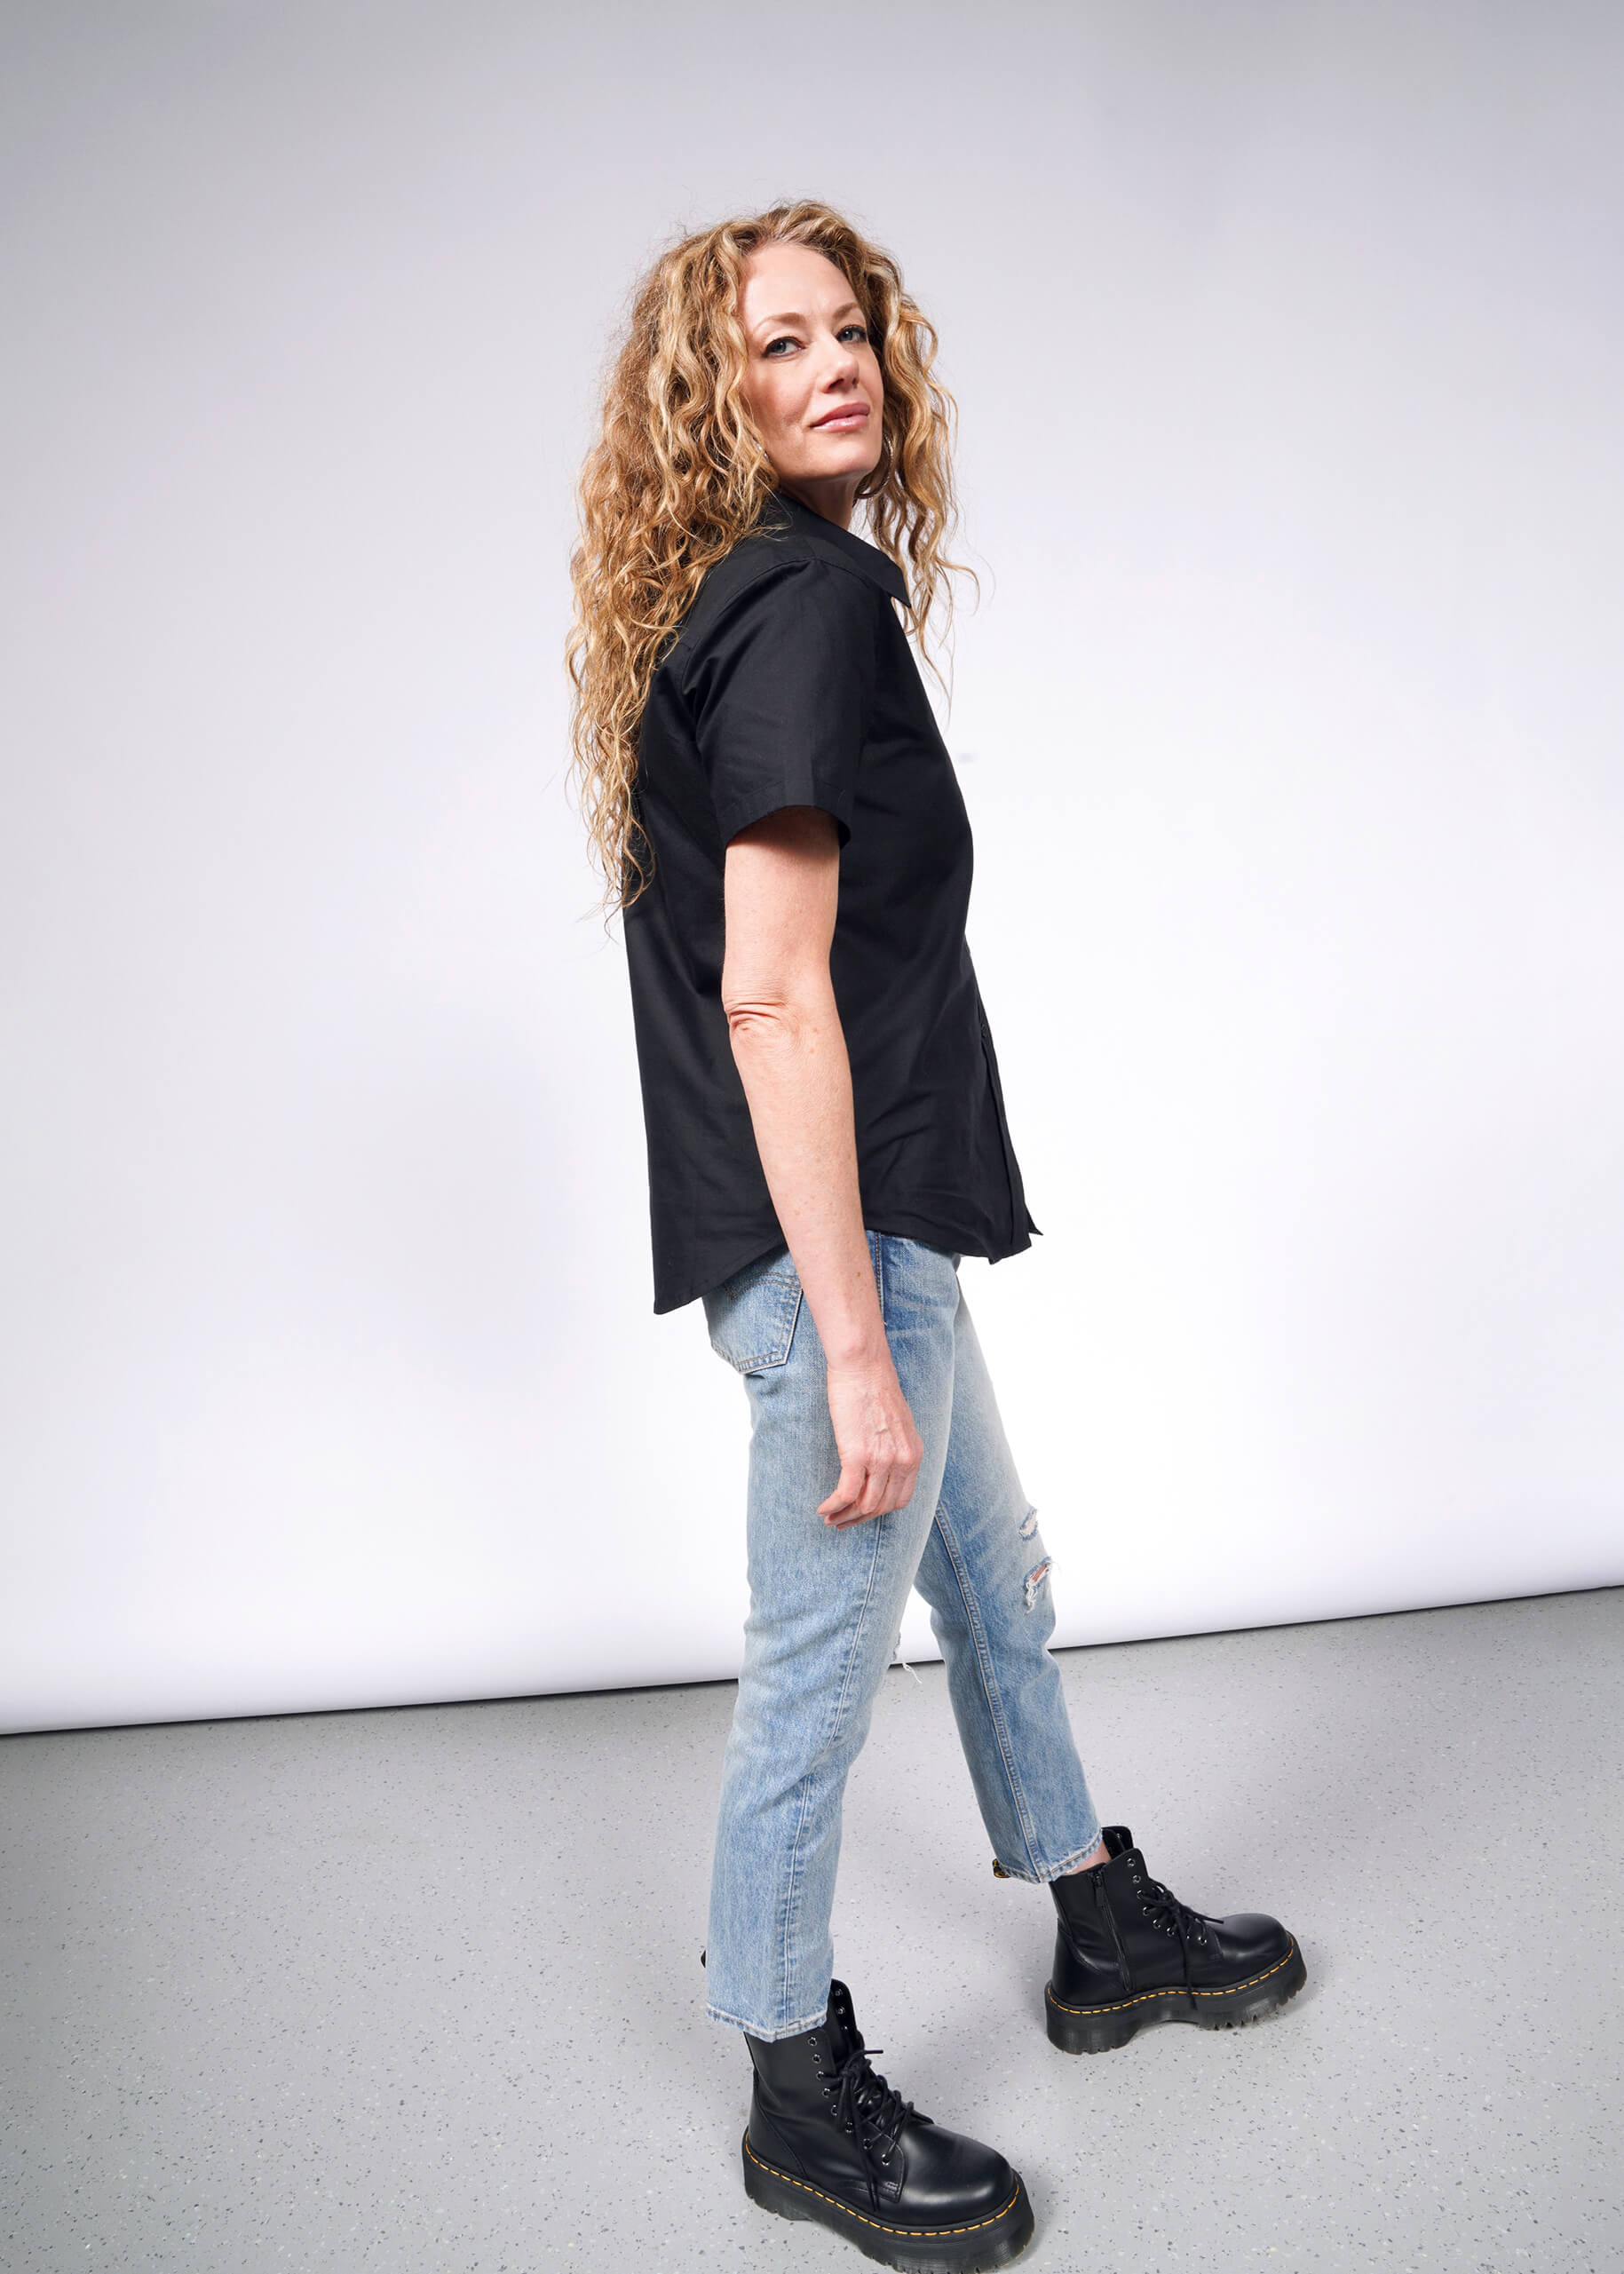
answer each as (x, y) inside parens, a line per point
(834, 500)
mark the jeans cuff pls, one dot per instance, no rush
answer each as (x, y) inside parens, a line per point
(776, 2034)
(1041, 1875)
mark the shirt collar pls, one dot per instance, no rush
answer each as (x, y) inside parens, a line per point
(878, 566)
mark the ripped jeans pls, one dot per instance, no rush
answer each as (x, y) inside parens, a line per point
(825, 1607)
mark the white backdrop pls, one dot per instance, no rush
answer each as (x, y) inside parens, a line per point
(1288, 343)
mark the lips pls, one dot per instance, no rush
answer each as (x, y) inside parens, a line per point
(848, 414)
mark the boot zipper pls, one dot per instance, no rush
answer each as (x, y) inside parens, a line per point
(1104, 1901)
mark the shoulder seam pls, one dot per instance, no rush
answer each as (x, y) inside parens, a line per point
(803, 557)
(809, 558)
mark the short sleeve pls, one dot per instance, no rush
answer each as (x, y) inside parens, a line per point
(781, 694)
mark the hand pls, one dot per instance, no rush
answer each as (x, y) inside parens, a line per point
(880, 1449)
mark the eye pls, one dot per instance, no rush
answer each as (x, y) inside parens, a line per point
(859, 330)
(784, 340)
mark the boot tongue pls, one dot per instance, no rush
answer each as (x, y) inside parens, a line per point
(841, 2023)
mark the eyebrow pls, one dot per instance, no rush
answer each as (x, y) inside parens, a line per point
(794, 316)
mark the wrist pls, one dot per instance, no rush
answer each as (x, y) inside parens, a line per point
(861, 1351)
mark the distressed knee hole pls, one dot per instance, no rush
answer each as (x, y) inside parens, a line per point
(897, 1658)
(1030, 1523)
(1037, 1580)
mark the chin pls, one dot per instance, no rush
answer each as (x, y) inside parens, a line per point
(855, 454)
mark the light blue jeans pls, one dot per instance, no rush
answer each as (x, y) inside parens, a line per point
(825, 1607)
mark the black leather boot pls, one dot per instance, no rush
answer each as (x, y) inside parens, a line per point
(829, 2140)
(1129, 1951)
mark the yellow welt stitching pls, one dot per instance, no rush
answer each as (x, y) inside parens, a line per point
(922, 2233)
(1169, 1989)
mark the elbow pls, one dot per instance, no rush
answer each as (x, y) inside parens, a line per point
(771, 1010)
(753, 1019)
(771, 1014)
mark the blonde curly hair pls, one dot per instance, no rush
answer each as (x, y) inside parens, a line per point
(678, 475)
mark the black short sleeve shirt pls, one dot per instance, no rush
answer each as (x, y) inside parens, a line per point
(791, 681)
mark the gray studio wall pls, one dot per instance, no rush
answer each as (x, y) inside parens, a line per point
(1287, 344)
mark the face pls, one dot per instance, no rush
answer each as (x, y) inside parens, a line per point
(812, 380)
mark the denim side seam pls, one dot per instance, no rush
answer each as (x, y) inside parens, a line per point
(792, 1893)
(878, 1255)
(837, 1719)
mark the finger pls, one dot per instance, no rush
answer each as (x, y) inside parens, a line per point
(877, 1493)
(860, 1510)
(846, 1493)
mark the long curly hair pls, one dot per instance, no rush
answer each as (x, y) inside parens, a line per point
(678, 475)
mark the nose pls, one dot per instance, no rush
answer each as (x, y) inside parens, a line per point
(842, 361)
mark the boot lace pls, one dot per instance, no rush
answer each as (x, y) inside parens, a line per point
(864, 2103)
(1163, 1910)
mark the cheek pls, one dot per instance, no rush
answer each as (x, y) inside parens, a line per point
(773, 399)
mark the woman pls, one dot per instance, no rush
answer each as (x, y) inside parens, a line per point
(763, 780)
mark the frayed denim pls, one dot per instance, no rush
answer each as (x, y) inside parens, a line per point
(825, 1607)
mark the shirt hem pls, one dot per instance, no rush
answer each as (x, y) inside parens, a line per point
(901, 1222)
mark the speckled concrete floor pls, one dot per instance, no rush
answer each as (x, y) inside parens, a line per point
(420, 1989)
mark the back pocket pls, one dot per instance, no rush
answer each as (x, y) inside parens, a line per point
(752, 1315)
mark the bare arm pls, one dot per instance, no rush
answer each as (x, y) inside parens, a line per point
(781, 883)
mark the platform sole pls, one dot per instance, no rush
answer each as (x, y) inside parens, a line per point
(987, 2242)
(1101, 2029)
